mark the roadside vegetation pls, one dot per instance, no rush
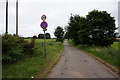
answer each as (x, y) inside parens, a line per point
(95, 33)
(109, 54)
(15, 48)
(59, 33)
(32, 62)
(96, 28)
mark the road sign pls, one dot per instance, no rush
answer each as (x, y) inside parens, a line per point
(44, 25)
(43, 17)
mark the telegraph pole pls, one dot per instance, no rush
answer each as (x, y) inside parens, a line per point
(6, 16)
(16, 17)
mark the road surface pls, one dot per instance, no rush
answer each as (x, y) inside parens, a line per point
(76, 64)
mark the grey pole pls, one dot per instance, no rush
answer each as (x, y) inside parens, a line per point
(16, 17)
(6, 16)
(44, 42)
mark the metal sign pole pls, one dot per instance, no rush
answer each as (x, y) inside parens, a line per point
(44, 42)
(44, 26)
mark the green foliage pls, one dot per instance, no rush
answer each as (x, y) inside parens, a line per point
(67, 36)
(59, 32)
(48, 36)
(97, 28)
(41, 36)
(77, 29)
(101, 28)
(13, 48)
(36, 65)
(29, 47)
(59, 40)
(34, 37)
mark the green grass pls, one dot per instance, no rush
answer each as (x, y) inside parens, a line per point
(35, 65)
(109, 54)
(116, 45)
(41, 40)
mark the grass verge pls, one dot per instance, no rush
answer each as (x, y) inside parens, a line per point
(110, 55)
(34, 66)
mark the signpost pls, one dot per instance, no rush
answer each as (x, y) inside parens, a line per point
(44, 26)
(43, 17)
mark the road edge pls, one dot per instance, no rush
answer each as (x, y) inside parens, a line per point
(110, 67)
(49, 69)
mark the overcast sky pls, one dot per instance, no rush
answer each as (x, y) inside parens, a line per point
(57, 12)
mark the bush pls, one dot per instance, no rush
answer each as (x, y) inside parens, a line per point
(13, 48)
(60, 40)
(28, 47)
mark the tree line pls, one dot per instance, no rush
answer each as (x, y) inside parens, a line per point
(41, 36)
(96, 28)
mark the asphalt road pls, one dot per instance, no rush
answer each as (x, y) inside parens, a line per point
(76, 64)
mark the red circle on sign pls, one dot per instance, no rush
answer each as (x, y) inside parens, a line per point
(43, 17)
(44, 25)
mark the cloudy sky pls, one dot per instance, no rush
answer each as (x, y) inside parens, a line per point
(57, 12)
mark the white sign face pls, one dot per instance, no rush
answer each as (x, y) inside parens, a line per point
(43, 17)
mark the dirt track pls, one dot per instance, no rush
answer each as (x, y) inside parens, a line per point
(76, 64)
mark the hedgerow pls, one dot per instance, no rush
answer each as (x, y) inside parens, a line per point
(14, 48)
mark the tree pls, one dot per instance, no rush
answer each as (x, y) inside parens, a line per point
(34, 37)
(41, 36)
(97, 28)
(101, 28)
(67, 36)
(59, 32)
(48, 36)
(76, 28)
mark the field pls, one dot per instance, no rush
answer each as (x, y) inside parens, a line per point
(116, 45)
(34, 66)
(110, 54)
